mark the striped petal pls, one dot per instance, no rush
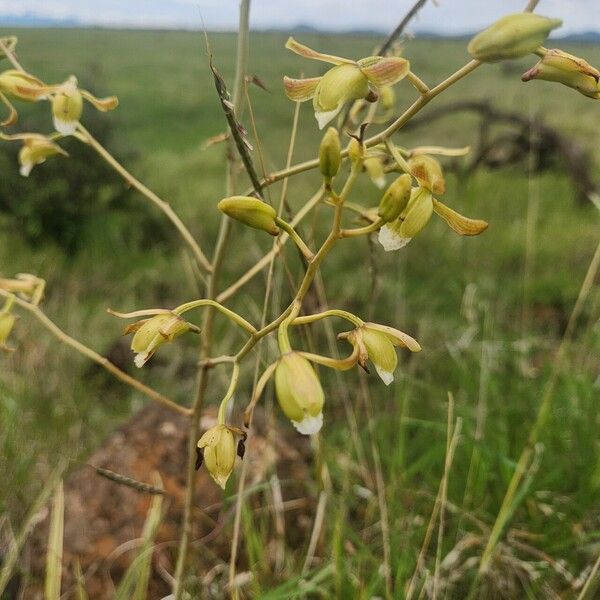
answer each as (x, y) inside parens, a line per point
(307, 52)
(300, 90)
(384, 70)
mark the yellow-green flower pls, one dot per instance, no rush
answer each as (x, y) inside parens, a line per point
(348, 80)
(217, 450)
(416, 213)
(67, 105)
(299, 392)
(150, 334)
(377, 343)
(35, 150)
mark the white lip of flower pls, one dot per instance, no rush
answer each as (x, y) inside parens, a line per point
(64, 127)
(368, 73)
(390, 240)
(386, 376)
(309, 425)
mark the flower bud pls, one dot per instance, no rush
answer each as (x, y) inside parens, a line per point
(512, 36)
(299, 393)
(153, 332)
(428, 172)
(216, 448)
(567, 69)
(356, 151)
(250, 211)
(395, 198)
(67, 107)
(23, 85)
(330, 157)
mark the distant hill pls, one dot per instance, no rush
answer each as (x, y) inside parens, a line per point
(35, 20)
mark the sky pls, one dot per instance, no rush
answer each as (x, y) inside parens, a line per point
(443, 16)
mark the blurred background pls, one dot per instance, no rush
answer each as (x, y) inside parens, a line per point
(489, 311)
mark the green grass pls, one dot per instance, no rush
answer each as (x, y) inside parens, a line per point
(488, 321)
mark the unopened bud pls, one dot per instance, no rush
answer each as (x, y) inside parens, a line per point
(216, 449)
(512, 36)
(567, 69)
(356, 152)
(330, 157)
(395, 198)
(250, 211)
(299, 392)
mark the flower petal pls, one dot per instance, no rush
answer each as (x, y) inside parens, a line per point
(300, 90)
(384, 70)
(102, 104)
(418, 215)
(459, 223)
(397, 337)
(307, 52)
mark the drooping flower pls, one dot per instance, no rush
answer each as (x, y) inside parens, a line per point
(35, 150)
(348, 80)
(570, 70)
(67, 105)
(377, 343)
(151, 333)
(217, 450)
(416, 213)
(299, 392)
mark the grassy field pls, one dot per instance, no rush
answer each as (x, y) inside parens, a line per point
(489, 312)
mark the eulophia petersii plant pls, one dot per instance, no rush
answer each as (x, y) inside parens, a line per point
(405, 207)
